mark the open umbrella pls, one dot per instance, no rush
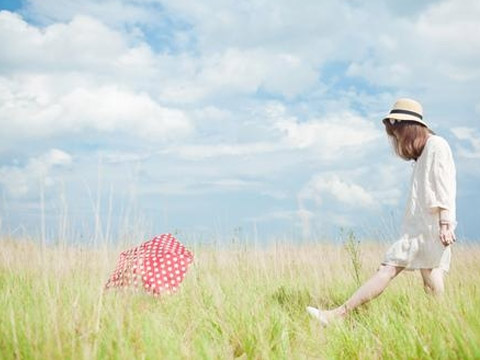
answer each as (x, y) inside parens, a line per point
(158, 266)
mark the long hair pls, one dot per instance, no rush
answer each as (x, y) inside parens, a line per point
(408, 138)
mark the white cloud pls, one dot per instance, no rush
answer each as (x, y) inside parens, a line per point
(248, 70)
(408, 46)
(389, 182)
(329, 192)
(20, 181)
(78, 76)
(234, 71)
(276, 25)
(86, 44)
(29, 109)
(444, 27)
(83, 50)
(472, 136)
(78, 45)
(327, 136)
(330, 133)
(118, 13)
(432, 48)
(203, 152)
(343, 191)
(243, 44)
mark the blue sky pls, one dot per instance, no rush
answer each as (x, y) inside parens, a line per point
(217, 117)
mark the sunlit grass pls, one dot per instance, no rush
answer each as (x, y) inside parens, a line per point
(234, 303)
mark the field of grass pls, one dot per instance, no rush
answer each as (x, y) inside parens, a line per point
(234, 303)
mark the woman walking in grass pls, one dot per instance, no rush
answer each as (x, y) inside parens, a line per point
(429, 221)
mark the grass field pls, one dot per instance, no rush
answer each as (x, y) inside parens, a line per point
(234, 303)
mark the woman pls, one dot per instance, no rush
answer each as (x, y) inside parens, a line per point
(429, 221)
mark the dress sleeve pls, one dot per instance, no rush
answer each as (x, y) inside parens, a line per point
(442, 177)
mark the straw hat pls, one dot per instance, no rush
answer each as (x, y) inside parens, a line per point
(406, 109)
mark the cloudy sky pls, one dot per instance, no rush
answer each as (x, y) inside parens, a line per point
(220, 117)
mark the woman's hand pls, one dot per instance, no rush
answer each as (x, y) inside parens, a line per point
(447, 236)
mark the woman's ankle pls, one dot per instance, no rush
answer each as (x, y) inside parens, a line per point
(341, 311)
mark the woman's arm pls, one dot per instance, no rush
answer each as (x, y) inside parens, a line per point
(443, 179)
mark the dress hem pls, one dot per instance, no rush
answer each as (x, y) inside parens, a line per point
(406, 267)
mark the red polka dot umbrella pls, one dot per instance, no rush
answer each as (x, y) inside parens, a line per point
(157, 266)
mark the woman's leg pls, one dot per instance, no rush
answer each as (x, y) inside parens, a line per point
(433, 280)
(368, 291)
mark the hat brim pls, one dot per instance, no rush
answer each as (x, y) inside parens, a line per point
(405, 117)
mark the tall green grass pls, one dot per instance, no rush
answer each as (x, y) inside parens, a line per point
(234, 303)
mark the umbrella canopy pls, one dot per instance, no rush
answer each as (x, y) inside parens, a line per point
(158, 265)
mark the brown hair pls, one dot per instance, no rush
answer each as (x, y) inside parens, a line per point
(408, 137)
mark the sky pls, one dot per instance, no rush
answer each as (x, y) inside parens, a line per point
(227, 119)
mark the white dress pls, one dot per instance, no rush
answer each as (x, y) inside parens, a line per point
(433, 186)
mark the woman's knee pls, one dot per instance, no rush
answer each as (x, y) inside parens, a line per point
(389, 271)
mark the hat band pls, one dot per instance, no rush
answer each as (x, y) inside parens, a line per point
(406, 112)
